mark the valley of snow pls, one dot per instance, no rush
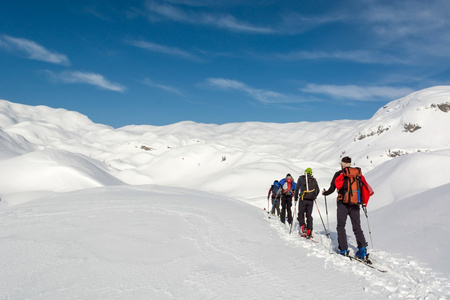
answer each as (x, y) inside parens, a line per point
(177, 212)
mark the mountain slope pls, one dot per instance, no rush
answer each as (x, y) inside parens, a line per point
(151, 242)
(190, 155)
(47, 154)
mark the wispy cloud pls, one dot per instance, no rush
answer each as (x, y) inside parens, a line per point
(156, 11)
(261, 95)
(296, 23)
(402, 19)
(358, 93)
(413, 28)
(164, 50)
(204, 3)
(94, 11)
(86, 78)
(163, 87)
(360, 56)
(385, 32)
(32, 50)
(416, 27)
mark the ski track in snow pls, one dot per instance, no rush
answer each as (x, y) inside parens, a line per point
(120, 243)
(403, 279)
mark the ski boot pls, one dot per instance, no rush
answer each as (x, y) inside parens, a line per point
(303, 231)
(361, 253)
(308, 234)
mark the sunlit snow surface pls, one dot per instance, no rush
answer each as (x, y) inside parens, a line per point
(176, 212)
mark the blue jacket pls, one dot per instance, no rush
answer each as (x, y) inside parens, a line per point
(293, 186)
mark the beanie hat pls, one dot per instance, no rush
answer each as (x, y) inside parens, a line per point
(346, 162)
(308, 171)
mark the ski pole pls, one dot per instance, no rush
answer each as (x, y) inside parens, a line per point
(307, 186)
(293, 215)
(368, 225)
(328, 223)
(273, 205)
(321, 217)
(326, 210)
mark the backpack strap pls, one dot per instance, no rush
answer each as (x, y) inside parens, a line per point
(308, 191)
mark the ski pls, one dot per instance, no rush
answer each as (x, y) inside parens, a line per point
(368, 263)
(311, 239)
(307, 238)
(274, 216)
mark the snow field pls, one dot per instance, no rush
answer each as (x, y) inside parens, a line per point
(176, 212)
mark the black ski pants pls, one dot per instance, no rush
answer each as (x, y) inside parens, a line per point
(305, 207)
(343, 211)
(286, 203)
(276, 206)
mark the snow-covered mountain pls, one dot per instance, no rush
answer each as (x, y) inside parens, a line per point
(196, 155)
(53, 159)
(415, 123)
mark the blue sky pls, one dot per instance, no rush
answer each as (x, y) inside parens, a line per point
(160, 62)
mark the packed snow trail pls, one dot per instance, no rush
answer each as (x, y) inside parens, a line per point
(151, 242)
(404, 277)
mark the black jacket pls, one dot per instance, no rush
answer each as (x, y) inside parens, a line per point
(301, 187)
(332, 187)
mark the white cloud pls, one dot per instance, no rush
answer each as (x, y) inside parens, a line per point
(94, 11)
(358, 93)
(32, 50)
(413, 31)
(296, 23)
(231, 23)
(164, 50)
(416, 28)
(360, 56)
(412, 18)
(156, 11)
(264, 96)
(166, 88)
(86, 78)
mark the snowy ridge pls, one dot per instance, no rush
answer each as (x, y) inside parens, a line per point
(162, 212)
(409, 124)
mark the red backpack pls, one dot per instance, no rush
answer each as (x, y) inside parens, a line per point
(287, 186)
(355, 189)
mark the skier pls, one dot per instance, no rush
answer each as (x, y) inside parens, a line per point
(288, 188)
(275, 190)
(308, 189)
(344, 210)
